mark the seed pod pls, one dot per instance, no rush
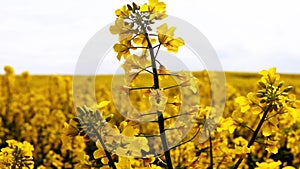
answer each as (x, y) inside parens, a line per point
(287, 89)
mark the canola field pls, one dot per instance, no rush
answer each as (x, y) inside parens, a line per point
(41, 128)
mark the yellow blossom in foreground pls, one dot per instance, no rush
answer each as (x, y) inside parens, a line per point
(288, 167)
(17, 155)
(269, 164)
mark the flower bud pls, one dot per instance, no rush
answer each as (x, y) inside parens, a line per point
(280, 84)
(81, 111)
(76, 119)
(129, 7)
(287, 89)
(263, 101)
(109, 117)
(261, 84)
(260, 95)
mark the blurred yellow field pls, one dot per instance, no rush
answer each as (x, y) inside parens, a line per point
(35, 111)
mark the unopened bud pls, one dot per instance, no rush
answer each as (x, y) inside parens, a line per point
(260, 95)
(129, 7)
(81, 111)
(109, 117)
(261, 84)
(77, 119)
(135, 7)
(287, 89)
(280, 84)
(82, 133)
(263, 101)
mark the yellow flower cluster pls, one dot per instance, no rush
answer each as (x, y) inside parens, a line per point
(17, 155)
(38, 114)
(134, 26)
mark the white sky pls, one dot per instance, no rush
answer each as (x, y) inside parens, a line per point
(47, 36)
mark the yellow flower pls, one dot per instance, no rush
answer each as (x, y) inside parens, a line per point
(141, 40)
(243, 102)
(124, 30)
(71, 129)
(227, 124)
(99, 153)
(288, 167)
(186, 79)
(269, 76)
(272, 146)
(9, 70)
(123, 48)
(270, 127)
(123, 162)
(27, 149)
(17, 154)
(122, 12)
(158, 99)
(157, 9)
(103, 104)
(165, 37)
(269, 164)
(136, 62)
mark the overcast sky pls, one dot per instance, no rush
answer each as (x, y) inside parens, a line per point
(47, 36)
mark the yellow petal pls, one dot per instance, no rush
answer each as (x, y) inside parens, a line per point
(103, 104)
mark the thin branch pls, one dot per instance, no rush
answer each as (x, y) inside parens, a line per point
(139, 47)
(141, 88)
(145, 135)
(157, 51)
(159, 113)
(184, 142)
(107, 153)
(211, 157)
(170, 87)
(183, 114)
(148, 114)
(252, 140)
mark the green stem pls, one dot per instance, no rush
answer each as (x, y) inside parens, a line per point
(252, 140)
(107, 153)
(160, 115)
(211, 152)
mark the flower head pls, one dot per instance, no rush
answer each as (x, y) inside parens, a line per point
(156, 9)
(123, 48)
(165, 37)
